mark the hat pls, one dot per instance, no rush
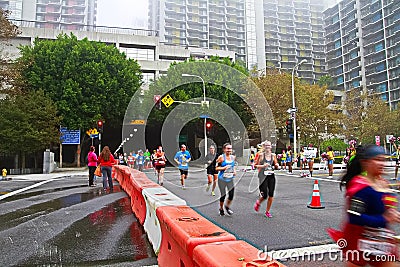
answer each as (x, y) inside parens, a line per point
(373, 151)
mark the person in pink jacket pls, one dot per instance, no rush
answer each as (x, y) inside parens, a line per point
(92, 164)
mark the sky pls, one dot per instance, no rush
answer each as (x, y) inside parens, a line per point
(122, 13)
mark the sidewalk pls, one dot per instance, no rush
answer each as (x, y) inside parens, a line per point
(59, 173)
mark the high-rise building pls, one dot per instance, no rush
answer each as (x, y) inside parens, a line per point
(54, 14)
(363, 47)
(287, 32)
(213, 24)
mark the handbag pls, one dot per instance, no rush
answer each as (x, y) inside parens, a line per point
(97, 172)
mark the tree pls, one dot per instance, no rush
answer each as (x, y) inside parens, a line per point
(87, 80)
(368, 116)
(7, 31)
(325, 80)
(29, 123)
(315, 114)
(336, 143)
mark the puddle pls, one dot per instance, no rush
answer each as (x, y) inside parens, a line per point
(109, 235)
(17, 217)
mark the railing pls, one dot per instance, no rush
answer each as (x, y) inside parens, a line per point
(90, 28)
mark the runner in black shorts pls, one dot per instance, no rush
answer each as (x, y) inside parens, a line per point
(266, 162)
(212, 174)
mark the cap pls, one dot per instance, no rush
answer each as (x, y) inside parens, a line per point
(373, 151)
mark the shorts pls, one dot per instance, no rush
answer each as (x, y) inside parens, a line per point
(184, 172)
(266, 184)
(310, 160)
(330, 161)
(159, 167)
(211, 171)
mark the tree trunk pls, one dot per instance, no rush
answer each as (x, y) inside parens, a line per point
(16, 161)
(23, 160)
(78, 156)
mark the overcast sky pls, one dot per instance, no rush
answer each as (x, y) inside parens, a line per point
(122, 13)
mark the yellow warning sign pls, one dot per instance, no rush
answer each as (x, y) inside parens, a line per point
(138, 122)
(167, 100)
(92, 132)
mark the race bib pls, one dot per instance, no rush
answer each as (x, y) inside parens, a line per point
(268, 172)
(140, 162)
(376, 247)
(184, 163)
(228, 175)
(161, 162)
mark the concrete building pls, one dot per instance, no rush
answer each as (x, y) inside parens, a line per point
(363, 47)
(153, 57)
(286, 33)
(212, 24)
(53, 14)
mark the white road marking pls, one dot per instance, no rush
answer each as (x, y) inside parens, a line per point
(26, 188)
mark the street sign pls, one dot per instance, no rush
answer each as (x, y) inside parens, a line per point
(70, 137)
(92, 132)
(204, 116)
(377, 140)
(291, 110)
(94, 136)
(167, 100)
(138, 122)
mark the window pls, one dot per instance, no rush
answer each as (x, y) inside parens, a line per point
(339, 71)
(340, 80)
(337, 44)
(356, 83)
(353, 54)
(378, 47)
(354, 74)
(380, 67)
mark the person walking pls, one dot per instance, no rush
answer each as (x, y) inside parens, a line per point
(370, 209)
(330, 157)
(396, 169)
(283, 160)
(266, 163)
(289, 160)
(182, 158)
(226, 173)
(92, 164)
(159, 163)
(310, 160)
(212, 174)
(106, 161)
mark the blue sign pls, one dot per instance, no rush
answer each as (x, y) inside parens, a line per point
(94, 136)
(291, 136)
(70, 137)
(204, 116)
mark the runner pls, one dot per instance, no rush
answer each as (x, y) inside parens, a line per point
(182, 158)
(227, 172)
(131, 160)
(212, 174)
(266, 162)
(289, 159)
(140, 160)
(159, 165)
(370, 209)
(283, 160)
(310, 160)
(147, 159)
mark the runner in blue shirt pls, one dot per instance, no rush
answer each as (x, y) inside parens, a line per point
(182, 158)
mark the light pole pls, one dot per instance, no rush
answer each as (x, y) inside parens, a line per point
(204, 101)
(294, 108)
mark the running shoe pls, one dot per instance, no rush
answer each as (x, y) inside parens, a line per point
(212, 193)
(257, 205)
(228, 210)
(221, 213)
(183, 187)
(208, 187)
(268, 215)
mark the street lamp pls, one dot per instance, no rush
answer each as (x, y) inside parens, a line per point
(294, 107)
(204, 101)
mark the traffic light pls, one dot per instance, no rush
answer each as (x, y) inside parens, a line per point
(100, 126)
(209, 127)
(289, 126)
(157, 101)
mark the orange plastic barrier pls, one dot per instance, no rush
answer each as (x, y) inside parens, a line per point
(134, 187)
(231, 254)
(183, 229)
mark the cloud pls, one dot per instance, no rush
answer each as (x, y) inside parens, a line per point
(122, 13)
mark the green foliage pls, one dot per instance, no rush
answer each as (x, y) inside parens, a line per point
(193, 87)
(336, 143)
(325, 80)
(29, 123)
(87, 80)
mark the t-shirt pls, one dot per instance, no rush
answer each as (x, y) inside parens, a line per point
(213, 158)
(330, 155)
(140, 160)
(183, 158)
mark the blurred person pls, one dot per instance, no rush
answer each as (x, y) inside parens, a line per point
(159, 163)
(283, 160)
(131, 160)
(226, 173)
(92, 164)
(289, 159)
(371, 207)
(147, 159)
(252, 157)
(182, 158)
(140, 160)
(212, 174)
(106, 160)
(266, 163)
(396, 169)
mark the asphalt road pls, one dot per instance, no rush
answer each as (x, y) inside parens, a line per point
(66, 223)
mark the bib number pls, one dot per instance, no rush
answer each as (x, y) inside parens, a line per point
(228, 175)
(161, 162)
(376, 247)
(268, 172)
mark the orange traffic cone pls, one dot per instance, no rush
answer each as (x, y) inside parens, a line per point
(315, 198)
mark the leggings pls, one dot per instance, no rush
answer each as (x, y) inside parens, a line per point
(231, 190)
(267, 184)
